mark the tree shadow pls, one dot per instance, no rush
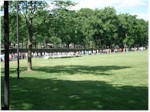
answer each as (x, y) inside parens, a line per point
(52, 94)
(82, 69)
(13, 71)
(71, 69)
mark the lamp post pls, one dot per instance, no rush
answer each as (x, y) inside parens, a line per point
(6, 37)
(18, 74)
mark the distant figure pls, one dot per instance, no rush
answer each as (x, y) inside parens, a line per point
(2, 57)
(10, 57)
(23, 55)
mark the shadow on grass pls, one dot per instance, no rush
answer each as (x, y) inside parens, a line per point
(72, 69)
(82, 69)
(14, 70)
(52, 94)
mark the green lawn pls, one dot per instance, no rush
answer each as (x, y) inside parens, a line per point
(97, 82)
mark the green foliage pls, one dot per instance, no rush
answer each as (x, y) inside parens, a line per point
(128, 42)
(55, 40)
(86, 27)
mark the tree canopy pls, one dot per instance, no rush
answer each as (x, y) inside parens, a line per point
(56, 24)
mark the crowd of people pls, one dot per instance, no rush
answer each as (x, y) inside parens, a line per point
(14, 56)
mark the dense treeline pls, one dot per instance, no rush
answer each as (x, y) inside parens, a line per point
(99, 28)
(61, 27)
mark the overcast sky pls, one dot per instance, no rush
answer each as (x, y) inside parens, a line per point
(138, 7)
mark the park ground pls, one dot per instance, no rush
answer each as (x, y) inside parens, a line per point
(96, 82)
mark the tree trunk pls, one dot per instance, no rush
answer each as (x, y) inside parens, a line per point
(67, 45)
(14, 45)
(37, 54)
(46, 44)
(22, 43)
(41, 53)
(84, 49)
(100, 44)
(74, 46)
(26, 45)
(29, 67)
(35, 45)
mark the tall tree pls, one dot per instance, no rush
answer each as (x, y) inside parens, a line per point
(28, 11)
(63, 21)
(86, 15)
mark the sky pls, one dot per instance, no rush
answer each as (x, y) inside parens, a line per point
(133, 7)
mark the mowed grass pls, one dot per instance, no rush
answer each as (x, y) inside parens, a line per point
(97, 82)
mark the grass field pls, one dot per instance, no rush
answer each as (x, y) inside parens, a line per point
(96, 82)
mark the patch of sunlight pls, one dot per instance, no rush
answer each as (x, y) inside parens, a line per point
(118, 85)
(26, 106)
(79, 77)
(74, 97)
(97, 103)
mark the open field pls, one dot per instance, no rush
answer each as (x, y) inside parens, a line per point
(97, 82)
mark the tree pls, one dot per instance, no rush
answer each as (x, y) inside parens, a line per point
(85, 16)
(126, 29)
(63, 21)
(109, 26)
(28, 12)
(12, 26)
(99, 28)
(55, 40)
(141, 33)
